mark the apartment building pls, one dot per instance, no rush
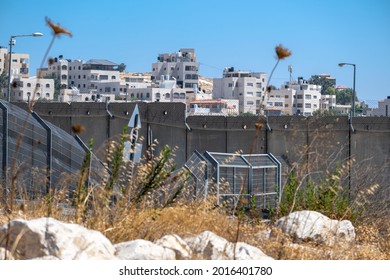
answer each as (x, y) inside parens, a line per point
(20, 65)
(247, 87)
(298, 98)
(32, 88)
(382, 110)
(181, 66)
(96, 76)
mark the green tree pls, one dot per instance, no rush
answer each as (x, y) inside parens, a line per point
(344, 96)
(330, 91)
(322, 81)
(121, 67)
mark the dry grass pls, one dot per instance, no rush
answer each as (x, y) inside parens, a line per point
(129, 223)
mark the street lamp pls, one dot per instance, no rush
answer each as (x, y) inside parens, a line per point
(11, 43)
(353, 89)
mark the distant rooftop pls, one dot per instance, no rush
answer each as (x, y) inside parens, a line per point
(100, 62)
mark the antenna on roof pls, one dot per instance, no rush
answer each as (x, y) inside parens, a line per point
(290, 69)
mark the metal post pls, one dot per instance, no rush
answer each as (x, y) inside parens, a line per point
(4, 149)
(9, 69)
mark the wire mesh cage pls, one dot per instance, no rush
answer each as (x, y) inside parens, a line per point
(253, 179)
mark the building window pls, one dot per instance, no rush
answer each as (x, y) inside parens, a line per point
(63, 77)
(307, 105)
(285, 105)
(307, 96)
(84, 76)
(299, 96)
(79, 77)
(249, 93)
(47, 94)
(113, 77)
(279, 104)
(314, 96)
(83, 85)
(79, 67)
(230, 85)
(167, 96)
(299, 105)
(107, 89)
(250, 102)
(249, 84)
(28, 85)
(47, 85)
(286, 96)
(38, 85)
(63, 67)
(147, 95)
(103, 77)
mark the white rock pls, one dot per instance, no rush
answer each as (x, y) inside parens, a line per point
(210, 246)
(48, 237)
(143, 250)
(5, 254)
(313, 226)
(175, 243)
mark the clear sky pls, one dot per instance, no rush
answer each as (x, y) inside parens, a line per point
(238, 33)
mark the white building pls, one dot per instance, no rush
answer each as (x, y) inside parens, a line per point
(298, 98)
(95, 76)
(246, 87)
(181, 66)
(32, 88)
(20, 65)
(382, 110)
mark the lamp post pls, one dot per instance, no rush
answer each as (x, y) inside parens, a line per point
(11, 43)
(353, 89)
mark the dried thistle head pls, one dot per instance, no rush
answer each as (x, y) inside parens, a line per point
(282, 52)
(57, 29)
(78, 128)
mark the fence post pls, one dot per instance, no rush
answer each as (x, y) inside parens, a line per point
(49, 145)
(4, 149)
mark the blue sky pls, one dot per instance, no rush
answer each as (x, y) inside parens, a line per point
(242, 34)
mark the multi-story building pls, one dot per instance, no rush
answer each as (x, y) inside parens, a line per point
(32, 88)
(96, 76)
(181, 66)
(20, 65)
(247, 87)
(298, 98)
(382, 110)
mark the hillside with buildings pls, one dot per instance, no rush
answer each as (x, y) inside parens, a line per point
(175, 77)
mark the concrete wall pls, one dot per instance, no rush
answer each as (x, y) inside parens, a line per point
(316, 145)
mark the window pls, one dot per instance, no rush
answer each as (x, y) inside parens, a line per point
(84, 76)
(113, 77)
(47, 85)
(79, 77)
(249, 84)
(64, 77)
(249, 93)
(63, 67)
(307, 105)
(258, 93)
(249, 102)
(285, 105)
(107, 89)
(299, 96)
(279, 104)
(79, 67)
(158, 95)
(230, 85)
(314, 96)
(299, 105)
(307, 96)
(29, 94)
(47, 94)
(103, 77)
(147, 95)
(38, 85)
(286, 96)
(28, 85)
(167, 96)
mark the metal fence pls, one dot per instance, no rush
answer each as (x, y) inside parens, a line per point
(37, 156)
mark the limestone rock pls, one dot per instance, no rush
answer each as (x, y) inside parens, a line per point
(313, 226)
(143, 250)
(175, 243)
(210, 246)
(48, 237)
